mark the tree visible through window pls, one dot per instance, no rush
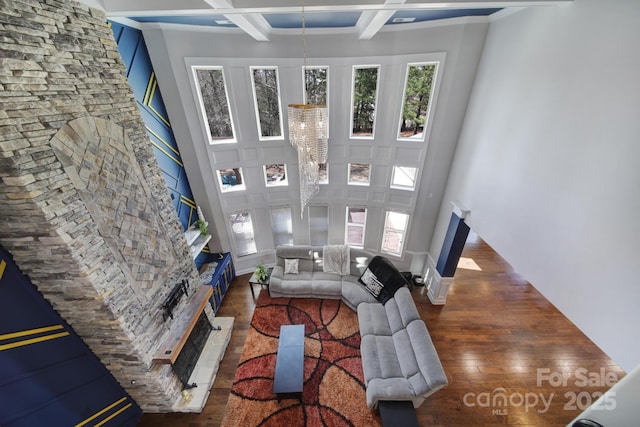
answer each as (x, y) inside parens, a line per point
(267, 99)
(215, 102)
(364, 97)
(417, 97)
(315, 85)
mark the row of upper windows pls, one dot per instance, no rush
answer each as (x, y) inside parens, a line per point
(402, 177)
(218, 120)
(392, 242)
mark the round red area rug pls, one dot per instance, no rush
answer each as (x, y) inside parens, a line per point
(333, 394)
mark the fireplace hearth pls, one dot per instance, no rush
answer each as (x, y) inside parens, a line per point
(186, 360)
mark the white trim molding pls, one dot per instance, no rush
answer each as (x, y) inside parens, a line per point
(437, 286)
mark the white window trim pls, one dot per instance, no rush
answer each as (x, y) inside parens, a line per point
(326, 181)
(428, 119)
(375, 114)
(241, 187)
(290, 228)
(282, 183)
(353, 224)
(255, 103)
(404, 233)
(233, 235)
(203, 111)
(403, 187)
(357, 183)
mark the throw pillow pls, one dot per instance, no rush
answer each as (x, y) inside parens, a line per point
(291, 266)
(386, 276)
(371, 283)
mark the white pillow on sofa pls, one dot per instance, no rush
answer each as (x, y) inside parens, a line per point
(291, 266)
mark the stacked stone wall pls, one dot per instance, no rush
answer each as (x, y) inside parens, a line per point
(59, 70)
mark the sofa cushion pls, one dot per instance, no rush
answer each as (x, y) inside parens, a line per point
(379, 357)
(301, 252)
(401, 310)
(326, 288)
(353, 294)
(372, 320)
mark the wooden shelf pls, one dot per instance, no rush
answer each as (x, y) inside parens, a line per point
(182, 325)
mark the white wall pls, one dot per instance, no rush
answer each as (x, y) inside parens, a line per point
(460, 41)
(547, 162)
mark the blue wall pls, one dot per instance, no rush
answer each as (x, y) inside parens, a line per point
(143, 82)
(48, 376)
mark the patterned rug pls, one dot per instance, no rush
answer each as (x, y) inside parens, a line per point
(334, 393)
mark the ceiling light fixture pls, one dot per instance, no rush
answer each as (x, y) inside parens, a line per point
(308, 133)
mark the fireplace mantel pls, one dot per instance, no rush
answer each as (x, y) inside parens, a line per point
(182, 326)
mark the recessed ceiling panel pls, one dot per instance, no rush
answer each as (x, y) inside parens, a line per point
(313, 19)
(432, 15)
(206, 20)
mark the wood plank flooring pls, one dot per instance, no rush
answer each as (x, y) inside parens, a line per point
(510, 356)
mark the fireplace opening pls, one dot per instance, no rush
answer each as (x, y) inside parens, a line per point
(188, 357)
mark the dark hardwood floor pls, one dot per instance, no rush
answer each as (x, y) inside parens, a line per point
(510, 356)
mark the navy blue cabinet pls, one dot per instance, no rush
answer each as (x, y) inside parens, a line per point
(48, 376)
(221, 279)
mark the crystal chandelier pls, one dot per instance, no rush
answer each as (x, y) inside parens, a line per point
(308, 133)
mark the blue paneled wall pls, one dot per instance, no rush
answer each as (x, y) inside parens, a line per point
(143, 82)
(48, 376)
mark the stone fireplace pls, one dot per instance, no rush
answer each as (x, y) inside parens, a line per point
(85, 210)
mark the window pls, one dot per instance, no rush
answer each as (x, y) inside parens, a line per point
(275, 175)
(281, 226)
(242, 230)
(418, 89)
(404, 178)
(214, 103)
(316, 82)
(319, 225)
(395, 228)
(323, 173)
(230, 180)
(359, 173)
(364, 96)
(266, 92)
(356, 223)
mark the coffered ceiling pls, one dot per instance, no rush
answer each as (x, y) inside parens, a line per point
(260, 18)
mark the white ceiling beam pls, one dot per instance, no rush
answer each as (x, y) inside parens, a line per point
(370, 22)
(253, 24)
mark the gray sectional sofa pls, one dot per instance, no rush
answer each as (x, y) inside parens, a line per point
(398, 356)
